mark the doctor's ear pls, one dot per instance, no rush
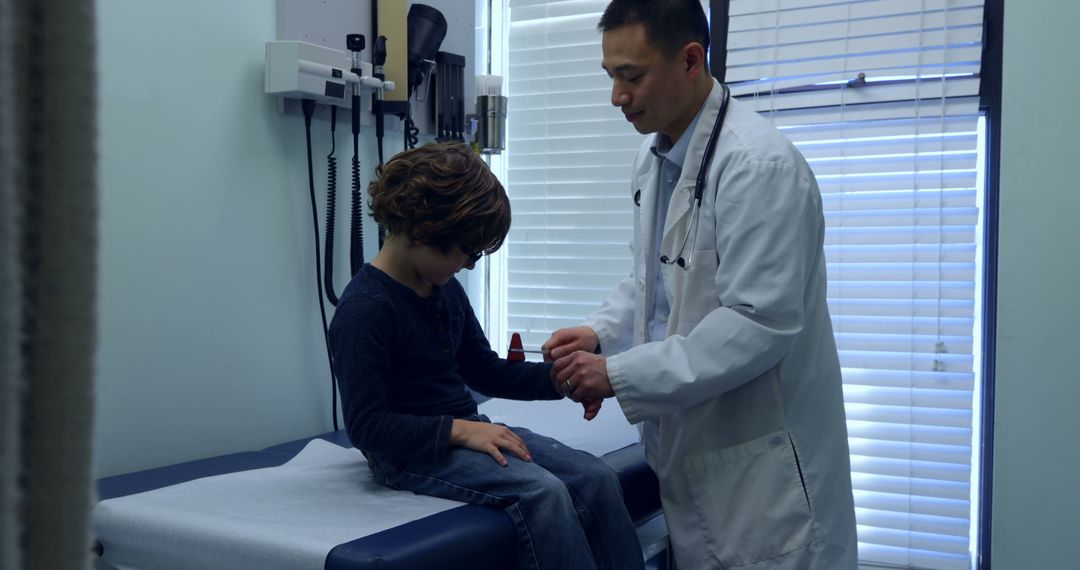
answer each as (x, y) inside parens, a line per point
(694, 59)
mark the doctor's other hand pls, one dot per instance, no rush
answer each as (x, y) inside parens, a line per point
(581, 376)
(592, 407)
(489, 439)
(568, 340)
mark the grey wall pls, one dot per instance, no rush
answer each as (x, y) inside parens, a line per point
(210, 340)
(1037, 454)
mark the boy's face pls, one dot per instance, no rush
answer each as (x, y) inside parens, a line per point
(437, 267)
(653, 92)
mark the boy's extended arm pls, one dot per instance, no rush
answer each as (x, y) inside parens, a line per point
(488, 373)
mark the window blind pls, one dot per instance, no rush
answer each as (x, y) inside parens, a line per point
(898, 154)
(569, 154)
(881, 97)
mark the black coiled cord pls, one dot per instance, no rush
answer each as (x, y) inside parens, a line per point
(412, 134)
(308, 106)
(356, 254)
(331, 210)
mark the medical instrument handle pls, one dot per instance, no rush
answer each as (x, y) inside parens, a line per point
(378, 60)
(355, 42)
(516, 352)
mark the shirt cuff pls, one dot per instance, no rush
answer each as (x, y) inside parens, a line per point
(622, 387)
(442, 437)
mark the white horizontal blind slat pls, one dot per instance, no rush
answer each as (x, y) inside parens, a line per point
(554, 11)
(859, 8)
(851, 117)
(863, 52)
(787, 75)
(932, 90)
(829, 22)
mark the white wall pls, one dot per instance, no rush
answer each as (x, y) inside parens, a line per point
(1037, 447)
(210, 340)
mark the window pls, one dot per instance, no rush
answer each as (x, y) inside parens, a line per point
(567, 172)
(881, 96)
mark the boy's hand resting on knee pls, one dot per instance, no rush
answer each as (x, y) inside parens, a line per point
(489, 439)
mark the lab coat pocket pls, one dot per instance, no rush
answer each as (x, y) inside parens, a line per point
(751, 500)
(691, 291)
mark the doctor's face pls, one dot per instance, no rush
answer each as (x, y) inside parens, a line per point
(653, 92)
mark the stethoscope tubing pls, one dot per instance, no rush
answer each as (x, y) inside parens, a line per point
(699, 190)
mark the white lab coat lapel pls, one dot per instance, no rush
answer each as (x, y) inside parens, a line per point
(682, 201)
(645, 180)
(678, 209)
(646, 183)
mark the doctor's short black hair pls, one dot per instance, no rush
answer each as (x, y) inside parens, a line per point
(669, 24)
(441, 195)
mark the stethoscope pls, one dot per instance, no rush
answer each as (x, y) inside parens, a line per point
(699, 189)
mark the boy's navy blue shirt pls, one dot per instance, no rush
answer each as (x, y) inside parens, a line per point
(403, 362)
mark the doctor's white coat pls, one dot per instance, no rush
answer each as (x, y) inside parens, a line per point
(740, 408)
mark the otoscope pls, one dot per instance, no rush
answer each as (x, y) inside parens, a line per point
(378, 60)
(355, 43)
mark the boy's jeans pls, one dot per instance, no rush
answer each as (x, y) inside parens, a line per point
(566, 504)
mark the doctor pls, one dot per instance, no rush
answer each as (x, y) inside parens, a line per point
(726, 360)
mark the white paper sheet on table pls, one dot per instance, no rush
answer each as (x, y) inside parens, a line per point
(564, 421)
(290, 517)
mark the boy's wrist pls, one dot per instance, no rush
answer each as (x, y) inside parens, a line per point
(457, 431)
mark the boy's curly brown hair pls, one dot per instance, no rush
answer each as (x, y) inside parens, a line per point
(441, 195)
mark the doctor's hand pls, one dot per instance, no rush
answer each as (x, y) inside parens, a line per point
(591, 405)
(489, 439)
(569, 340)
(583, 376)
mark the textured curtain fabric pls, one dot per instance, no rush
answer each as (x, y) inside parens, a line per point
(48, 224)
(9, 305)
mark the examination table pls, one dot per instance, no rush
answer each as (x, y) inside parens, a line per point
(133, 535)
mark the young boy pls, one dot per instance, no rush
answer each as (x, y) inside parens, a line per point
(406, 344)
